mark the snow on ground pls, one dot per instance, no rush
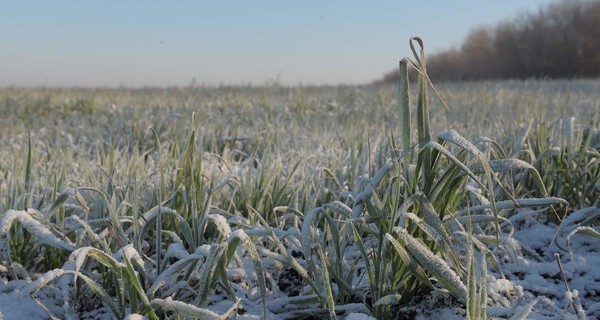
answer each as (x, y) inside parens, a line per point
(14, 305)
(537, 274)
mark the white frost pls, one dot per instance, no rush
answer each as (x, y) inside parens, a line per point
(221, 224)
(36, 228)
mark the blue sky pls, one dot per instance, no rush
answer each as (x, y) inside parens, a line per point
(169, 43)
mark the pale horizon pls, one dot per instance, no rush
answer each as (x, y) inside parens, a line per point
(156, 44)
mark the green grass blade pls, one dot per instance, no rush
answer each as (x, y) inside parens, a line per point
(471, 277)
(207, 271)
(133, 280)
(327, 283)
(404, 106)
(258, 269)
(482, 294)
(28, 171)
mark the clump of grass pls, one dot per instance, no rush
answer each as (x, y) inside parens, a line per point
(567, 156)
(403, 220)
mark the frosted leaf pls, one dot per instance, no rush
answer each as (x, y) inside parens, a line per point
(154, 212)
(183, 308)
(457, 139)
(43, 280)
(518, 203)
(221, 224)
(130, 253)
(434, 264)
(76, 259)
(36, 228)
(307, 229)
(366, 194)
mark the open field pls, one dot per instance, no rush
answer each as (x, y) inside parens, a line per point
(300, 203)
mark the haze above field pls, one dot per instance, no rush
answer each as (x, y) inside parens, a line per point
(150, 43)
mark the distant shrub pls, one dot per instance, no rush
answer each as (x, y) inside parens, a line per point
(560, 40)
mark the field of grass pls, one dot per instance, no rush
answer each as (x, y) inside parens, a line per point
(292, 203)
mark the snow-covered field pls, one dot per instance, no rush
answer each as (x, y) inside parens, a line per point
(530, 278)
(297, 203)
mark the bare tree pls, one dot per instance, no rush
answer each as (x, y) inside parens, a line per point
(560, 40)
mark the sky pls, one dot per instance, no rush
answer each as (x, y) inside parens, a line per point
(178, 43)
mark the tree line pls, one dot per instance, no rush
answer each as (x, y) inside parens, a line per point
(560, 40)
